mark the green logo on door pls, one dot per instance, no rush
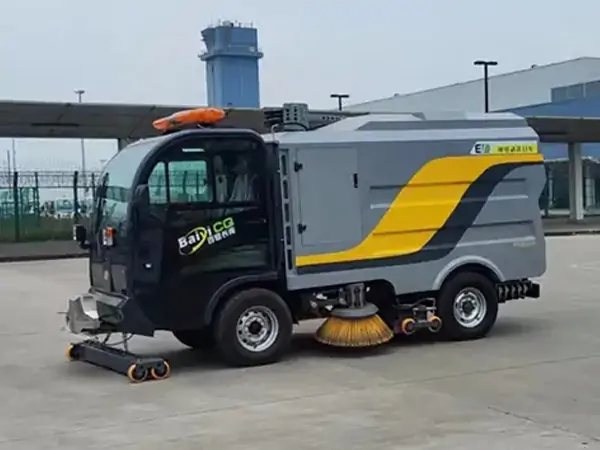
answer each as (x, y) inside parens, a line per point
(198, 237)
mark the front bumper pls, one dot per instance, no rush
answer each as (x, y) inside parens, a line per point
(95, 313)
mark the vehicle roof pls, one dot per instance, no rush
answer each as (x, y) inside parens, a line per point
(200, 132)
(399, 127)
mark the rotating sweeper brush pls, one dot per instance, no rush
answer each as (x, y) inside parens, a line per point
(356, 324)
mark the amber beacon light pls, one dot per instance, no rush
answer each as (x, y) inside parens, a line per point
(198, 116)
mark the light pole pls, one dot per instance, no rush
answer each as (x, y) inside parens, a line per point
(79, 93)
(13, 144)
(340, 99)
(486, 90)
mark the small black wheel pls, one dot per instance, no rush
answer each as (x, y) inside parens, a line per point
(253, 328)
(408, 326)
(202, 339)
(72, 352)
(468, 306)
(137, 374)
(435, 324)
(162, 372)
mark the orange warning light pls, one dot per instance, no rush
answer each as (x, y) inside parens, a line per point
(199, 116)
(108, 236)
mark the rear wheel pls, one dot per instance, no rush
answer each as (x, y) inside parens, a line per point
(253, 328)
(201, 339)
(468, 306)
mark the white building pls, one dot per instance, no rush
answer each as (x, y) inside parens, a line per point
(539, 84)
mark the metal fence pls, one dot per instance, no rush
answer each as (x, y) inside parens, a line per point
(39, 206)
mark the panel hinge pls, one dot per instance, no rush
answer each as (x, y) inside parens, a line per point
(301, 228)
(297, 166)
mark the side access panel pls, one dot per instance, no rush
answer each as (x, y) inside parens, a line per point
(444, 207)
(320, 176)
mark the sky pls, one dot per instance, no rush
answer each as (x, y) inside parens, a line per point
(145, 51)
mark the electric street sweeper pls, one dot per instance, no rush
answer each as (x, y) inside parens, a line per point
(380, 224)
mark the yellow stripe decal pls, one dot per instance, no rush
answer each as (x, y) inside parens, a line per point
(420, 209)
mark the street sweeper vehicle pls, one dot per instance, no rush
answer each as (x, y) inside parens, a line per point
(378, 224)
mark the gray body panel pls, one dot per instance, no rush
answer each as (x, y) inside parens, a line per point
(385, 152)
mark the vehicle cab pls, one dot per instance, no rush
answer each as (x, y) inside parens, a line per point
(177, 218)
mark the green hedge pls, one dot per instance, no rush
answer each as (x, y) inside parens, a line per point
(33, 229)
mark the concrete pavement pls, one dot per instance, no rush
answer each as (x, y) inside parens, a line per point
(532, 384)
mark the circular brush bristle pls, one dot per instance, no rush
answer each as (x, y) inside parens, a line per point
(359, 332)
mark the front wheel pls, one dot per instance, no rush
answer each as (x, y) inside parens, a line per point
(468, 306)
(253, 328)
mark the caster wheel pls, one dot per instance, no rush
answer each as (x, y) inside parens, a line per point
(409, 326)
(161, 373)
(137, 374)
(71, 353)
(435, 324)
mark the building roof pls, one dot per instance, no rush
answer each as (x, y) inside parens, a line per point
(98, 120)
(533, 68)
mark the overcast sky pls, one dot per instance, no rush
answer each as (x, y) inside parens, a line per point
(129, 51)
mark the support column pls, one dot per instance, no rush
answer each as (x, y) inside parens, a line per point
(123, 142)
(590, 186)
(575, 182)
(550, 188)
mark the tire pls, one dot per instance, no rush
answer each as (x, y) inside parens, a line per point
(455, 325)
(233, 336)
(202, 339)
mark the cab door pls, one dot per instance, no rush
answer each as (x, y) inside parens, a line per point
(209, 193)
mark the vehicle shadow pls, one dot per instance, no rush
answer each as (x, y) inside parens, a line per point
(305, 347)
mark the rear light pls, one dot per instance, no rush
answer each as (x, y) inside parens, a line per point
(108, 237)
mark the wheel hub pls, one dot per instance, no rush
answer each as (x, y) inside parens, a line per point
(470, 307)
(257, 329)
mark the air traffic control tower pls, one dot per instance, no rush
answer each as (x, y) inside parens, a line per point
(231, 57)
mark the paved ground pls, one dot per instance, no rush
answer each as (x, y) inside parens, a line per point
(533, 384)
(563, 226)
(32, 251)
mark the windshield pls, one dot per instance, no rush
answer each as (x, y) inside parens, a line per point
(116, 182)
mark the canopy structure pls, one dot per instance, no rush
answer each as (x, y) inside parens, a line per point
(98, 120)
(126, 122)
(566, 129)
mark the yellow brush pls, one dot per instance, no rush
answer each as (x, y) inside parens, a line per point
(351, 330)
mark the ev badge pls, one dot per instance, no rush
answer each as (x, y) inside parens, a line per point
(481, 149)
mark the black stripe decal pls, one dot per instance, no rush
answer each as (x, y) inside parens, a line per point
(447, 237)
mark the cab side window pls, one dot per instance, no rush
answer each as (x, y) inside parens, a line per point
(236, 179)
(180, 182)
(157, 185)
(188, 182)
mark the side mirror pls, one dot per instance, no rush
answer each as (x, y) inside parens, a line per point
(140, 202)
(79, 233)
(80, 236)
